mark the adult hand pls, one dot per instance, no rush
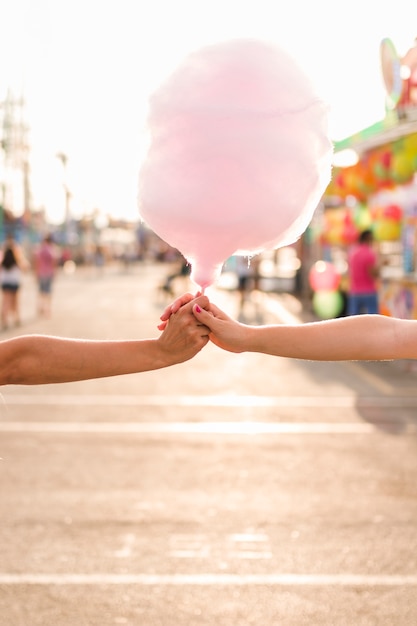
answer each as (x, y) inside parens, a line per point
(175, 306)
(184, 335)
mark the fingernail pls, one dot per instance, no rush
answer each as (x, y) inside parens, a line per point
(197, 308)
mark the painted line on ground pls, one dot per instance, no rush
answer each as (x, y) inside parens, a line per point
(209, 401)
(203, 428)
(296, 580)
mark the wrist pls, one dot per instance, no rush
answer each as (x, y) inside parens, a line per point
(161, 356)
(250, 339)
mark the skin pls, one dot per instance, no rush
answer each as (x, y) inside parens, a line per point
(355, 338)
(40, 359)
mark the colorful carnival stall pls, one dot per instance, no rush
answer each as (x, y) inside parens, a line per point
(379, 190)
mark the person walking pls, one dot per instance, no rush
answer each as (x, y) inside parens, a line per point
(183, 271)
(363, 271)
(12, 264)
(45, 267)
(247, 273)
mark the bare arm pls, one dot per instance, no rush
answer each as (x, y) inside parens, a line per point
(39, 359)
(356, 338)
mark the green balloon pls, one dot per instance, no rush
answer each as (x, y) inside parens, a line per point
(327, 304)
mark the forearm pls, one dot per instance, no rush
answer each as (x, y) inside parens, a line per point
(36, 359)
(363, 337)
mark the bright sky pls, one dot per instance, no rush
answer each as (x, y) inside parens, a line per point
(86, 68)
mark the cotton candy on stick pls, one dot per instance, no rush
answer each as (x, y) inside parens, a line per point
(239, 155)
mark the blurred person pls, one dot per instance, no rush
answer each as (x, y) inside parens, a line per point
(363, 272)
(41, 359)
(357, 338)
(99, 258)
(247, 273)
(183, 271)
(12, 264)
(45, 268)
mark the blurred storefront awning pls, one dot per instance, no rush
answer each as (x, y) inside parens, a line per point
(394, 126)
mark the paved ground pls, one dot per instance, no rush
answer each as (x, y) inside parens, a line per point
(229, 490)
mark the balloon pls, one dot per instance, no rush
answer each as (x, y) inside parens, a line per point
(239, 155)
(362, 217)
(355, 182)
(350, 233)
(323, 276)
(327, 304)
(410, 143)
(339, 227)
(401, 168)
(336, 186)
(333, 235)
(387, 230)
(393, 212)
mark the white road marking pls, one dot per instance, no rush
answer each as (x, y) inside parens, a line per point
(251, 554)
(189, 547)
(209, 401)
(249, 546)
(237, 546)
(294, 580)
(200, 428)
(204, 553)
(249, 537)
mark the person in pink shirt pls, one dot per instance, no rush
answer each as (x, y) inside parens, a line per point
(363, 274)
(45, 266)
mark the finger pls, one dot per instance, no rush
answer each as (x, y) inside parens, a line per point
(186, 309)
(204, 317)
(176, 305)
(180, 302)
(202, 301)
(166, 314)
(217, 312)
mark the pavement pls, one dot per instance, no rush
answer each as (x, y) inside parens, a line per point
(234, 489)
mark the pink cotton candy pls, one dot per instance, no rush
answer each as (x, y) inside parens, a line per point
(239, 155)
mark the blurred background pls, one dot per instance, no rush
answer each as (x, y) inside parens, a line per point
(74, 88)
(231, 489)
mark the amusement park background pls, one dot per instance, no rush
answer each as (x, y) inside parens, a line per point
(373, 185)
(234, 488)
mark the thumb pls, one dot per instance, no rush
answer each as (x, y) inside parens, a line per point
(224, 332)
(204, 317)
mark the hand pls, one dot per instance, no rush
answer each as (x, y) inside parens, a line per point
(224, 331)
(175, 306)
(184, 335)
